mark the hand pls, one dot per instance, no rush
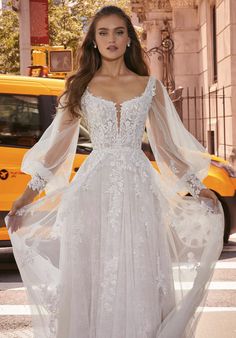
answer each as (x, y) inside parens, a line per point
(18, 204)
(209, 194)
(14, 220)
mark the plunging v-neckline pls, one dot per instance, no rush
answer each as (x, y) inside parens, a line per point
(118, 106)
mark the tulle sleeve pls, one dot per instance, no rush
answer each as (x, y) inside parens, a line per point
(50, 160)
(181, 159)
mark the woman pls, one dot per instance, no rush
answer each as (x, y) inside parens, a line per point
(118, 252)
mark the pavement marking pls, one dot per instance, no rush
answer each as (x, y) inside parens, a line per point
(19, 310)
(13, 286)
(216, 309)
(219, 265)
(225, 265)
(14, 310)
(212, 286)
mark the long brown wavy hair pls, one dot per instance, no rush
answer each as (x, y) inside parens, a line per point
(89, 59)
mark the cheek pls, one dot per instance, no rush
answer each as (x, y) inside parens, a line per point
(100, 45)
(122, 39)
(101, 39)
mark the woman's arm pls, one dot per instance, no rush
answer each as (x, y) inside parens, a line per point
(182, 160)
(49, 161)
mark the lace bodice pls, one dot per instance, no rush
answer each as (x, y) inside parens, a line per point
(110, 125)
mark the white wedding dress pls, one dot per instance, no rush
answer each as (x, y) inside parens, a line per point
(118, 252)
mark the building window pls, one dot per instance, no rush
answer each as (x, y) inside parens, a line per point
(214, 43)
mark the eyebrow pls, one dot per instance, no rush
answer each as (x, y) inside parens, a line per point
(108, 29)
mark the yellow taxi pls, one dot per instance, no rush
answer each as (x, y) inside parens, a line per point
(27, 105)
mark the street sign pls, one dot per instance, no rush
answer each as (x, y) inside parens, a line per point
(39, 22)
(60, 61)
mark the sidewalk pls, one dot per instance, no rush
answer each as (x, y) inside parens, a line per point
(15, 319)
(15, 327)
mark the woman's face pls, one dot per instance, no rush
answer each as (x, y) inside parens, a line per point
(111, 36)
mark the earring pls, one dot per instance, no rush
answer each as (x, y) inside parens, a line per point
(94, 45)
(128, 44)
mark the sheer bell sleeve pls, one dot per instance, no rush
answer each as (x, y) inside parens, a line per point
(181, 159)
(50, 160)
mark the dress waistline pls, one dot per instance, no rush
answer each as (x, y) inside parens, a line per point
(117, 148)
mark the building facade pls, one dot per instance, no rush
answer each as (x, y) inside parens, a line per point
(202, 61)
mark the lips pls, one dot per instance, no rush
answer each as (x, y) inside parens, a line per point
(112, 48)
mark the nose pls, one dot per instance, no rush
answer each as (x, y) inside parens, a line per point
(112, 37)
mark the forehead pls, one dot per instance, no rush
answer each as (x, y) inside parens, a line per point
(110, 22)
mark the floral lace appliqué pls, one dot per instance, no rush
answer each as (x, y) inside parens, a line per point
(129, 130)
(37, 183)
(194, 185)
(109, 283)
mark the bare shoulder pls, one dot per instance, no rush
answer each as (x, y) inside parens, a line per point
(96, 79)
(138, 82)
(140, 78)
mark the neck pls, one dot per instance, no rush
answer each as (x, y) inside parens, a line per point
(113, 68)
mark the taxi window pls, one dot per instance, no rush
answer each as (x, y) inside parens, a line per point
(19, 120)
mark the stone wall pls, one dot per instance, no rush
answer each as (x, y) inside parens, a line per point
(226, 64)
(190, 22)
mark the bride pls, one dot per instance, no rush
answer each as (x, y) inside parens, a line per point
(120, 251)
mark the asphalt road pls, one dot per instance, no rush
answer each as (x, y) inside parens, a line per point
(217, 321)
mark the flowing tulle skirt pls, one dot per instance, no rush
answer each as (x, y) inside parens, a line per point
(112, 256)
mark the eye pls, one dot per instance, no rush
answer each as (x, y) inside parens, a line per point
(120, 32)
(102, 33)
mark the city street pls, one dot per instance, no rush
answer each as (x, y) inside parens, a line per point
(110, 112)
(218, 319)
